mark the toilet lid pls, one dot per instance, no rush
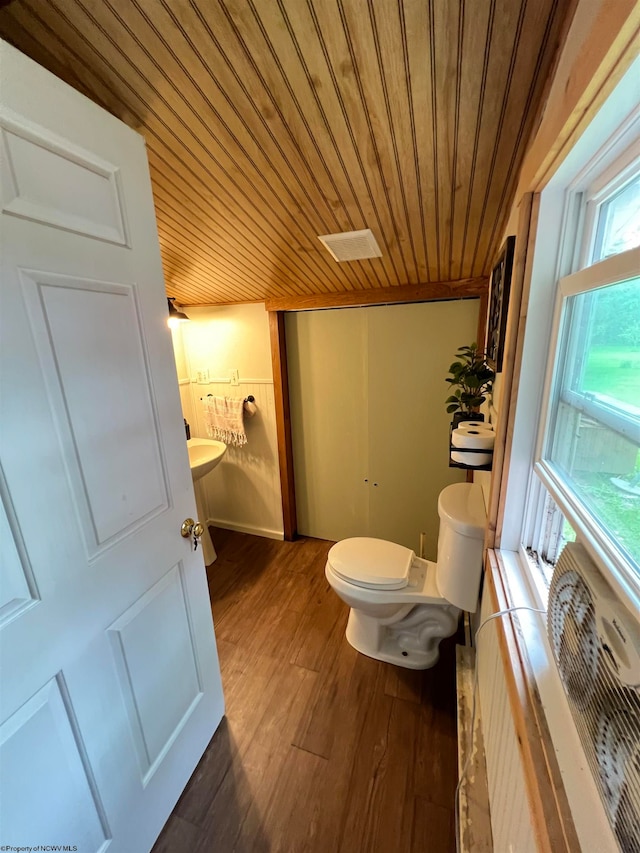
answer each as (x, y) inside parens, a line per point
(371, 562)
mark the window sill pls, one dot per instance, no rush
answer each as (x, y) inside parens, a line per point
(556, 768)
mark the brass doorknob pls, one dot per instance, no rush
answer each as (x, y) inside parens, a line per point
(191, 528)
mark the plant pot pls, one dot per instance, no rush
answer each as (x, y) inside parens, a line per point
(459, 417)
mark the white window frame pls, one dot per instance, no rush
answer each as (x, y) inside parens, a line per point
(613, 270)
(605, 186)
(573, 196)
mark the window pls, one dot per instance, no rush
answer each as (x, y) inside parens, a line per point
(619, 223)
(589, 450)
(578, 363)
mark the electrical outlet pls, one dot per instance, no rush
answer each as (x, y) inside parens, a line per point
(235, 376)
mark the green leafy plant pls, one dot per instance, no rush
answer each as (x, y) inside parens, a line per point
(471, 380)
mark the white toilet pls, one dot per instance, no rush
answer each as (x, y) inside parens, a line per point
(401, 605)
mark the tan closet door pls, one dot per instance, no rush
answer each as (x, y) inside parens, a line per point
(326, 355)
(370, 430)
(410, 348)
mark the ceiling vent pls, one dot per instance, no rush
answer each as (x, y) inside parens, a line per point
(352, 245)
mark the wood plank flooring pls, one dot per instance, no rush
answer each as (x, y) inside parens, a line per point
(322, 749)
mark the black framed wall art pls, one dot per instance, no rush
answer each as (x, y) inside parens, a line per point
(499, 304)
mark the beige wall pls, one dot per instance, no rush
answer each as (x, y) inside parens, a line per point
(243, 493)
(227, 337)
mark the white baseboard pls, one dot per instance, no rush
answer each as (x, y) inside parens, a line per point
(246, 528)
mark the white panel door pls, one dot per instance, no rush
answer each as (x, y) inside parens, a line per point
(110, 678)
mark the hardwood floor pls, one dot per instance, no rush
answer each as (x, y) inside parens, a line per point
(322, 749)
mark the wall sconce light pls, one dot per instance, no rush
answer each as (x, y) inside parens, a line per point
(175, 316)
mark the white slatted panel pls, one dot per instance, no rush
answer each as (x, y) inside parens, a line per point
(511, 824)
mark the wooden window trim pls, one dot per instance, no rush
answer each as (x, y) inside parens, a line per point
(605, 54)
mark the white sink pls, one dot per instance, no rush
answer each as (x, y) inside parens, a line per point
(204, 455)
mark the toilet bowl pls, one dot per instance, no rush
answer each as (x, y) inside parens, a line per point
(402, 605)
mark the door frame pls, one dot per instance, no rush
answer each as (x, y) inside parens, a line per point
(470, 288)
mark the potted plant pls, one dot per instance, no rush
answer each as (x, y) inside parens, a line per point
(471, 381)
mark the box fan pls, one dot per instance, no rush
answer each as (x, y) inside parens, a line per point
(596, 646)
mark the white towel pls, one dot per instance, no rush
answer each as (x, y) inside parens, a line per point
(223, 419)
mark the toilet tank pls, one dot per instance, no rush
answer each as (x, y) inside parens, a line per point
(460, 539)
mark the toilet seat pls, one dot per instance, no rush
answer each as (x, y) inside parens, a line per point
(371, 563)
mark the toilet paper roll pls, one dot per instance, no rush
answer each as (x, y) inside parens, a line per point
(473, 460)
(473, 438)
(250, 409)
(482, 424)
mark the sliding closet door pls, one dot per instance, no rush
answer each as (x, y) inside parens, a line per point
(326, 357)
(370, 430)
(410, 348)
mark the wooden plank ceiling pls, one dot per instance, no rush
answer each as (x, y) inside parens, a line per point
(270, 122)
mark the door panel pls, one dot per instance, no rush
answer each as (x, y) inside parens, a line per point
(116, 446)
(160, 619)
(108, 658)
(48, 181)
(54, 790)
